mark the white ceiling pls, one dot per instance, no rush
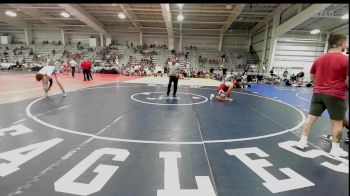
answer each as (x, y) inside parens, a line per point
(200, 19)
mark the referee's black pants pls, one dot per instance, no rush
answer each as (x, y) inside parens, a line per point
(73, 71)
(172, 79)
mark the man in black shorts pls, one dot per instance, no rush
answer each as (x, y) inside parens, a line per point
(331, 75)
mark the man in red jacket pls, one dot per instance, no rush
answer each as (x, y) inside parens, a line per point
(86, 65)
(330, 72)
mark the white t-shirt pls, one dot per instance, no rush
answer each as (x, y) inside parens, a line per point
(48, 70)
(72, 63)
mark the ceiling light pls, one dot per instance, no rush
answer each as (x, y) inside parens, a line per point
(121, 15)
(11, 13)
(65, 14)
(345, 17)
(180, 17)
(315, 31)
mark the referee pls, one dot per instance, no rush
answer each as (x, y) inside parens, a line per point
(173, 77)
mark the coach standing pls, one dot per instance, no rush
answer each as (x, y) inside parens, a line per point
(86, 65)
(173, 77)
(331, 77)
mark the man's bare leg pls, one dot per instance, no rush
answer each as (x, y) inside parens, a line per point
(59, 84)
(310, 120)
(337, 126)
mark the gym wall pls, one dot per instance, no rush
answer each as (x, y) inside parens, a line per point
(297, 51)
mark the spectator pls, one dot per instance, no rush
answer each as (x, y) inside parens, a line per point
(331, 75)
(285, 74)
(86, 66)
(211, 70)
(300, 78)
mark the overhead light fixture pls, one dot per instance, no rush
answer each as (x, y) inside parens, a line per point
(315, 31)
(345, 17)
(65, 14)
(11, 13)
(180, 5)
(121, 15)
(180, 17)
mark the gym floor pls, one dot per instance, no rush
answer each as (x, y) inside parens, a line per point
(118, 135)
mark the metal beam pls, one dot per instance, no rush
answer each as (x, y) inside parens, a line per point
(263, 55)
(167, 19)
(257, 13)
(144, 9)
(300, 8)
(131, 15)
(300, 18)
(220, 42)
(180, 39)
(13, 21)
(340, 28)
(87, 18)
(232, 17)
(276, 11)
(273, 41)
(28, 35)
(51, 18)
(326, 45)
(203, 11)
(35, 13)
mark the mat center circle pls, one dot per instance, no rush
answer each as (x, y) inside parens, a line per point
(160, 98)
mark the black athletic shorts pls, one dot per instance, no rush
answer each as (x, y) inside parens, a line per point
(320, 102)
(50, 80)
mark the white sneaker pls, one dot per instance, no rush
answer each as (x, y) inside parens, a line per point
(229, 99)
(46, 94)
(64, 94)
(211, 96)
(302, 144)
(338, 152)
